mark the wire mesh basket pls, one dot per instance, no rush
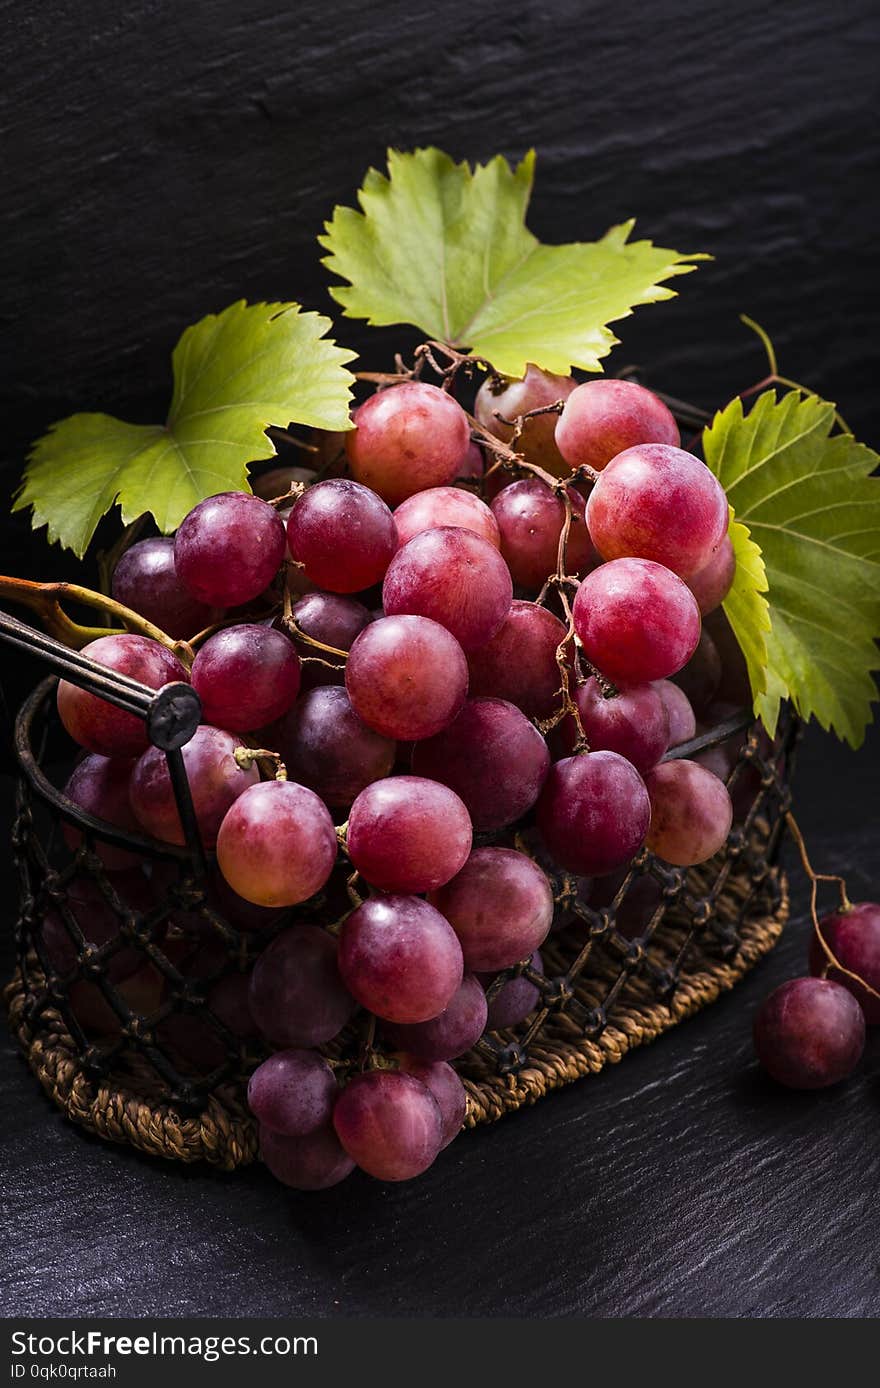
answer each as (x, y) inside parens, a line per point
(141, 1032)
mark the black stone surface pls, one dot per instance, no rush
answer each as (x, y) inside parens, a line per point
(162, 160)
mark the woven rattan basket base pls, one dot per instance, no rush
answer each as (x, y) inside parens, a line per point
(129, 1109)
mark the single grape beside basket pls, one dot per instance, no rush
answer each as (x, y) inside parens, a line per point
(414, 782)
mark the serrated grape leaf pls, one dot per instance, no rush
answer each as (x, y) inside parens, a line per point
(746, 606)
(810, 502)
(235, 373)
(446, 248)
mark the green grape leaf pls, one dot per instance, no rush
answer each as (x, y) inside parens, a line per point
(446, 248)
(235, 373)
(811, 504)
(746, 606)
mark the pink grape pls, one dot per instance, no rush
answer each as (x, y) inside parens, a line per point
(293, 1092)
(325, 746)
(660, 503)
(711, 584)
(277, 844)
(99, 785)
(854, 939)
(491, 756)
(515, 1000)
(633, 722)
(530, 519)
(297, 995)
(509, 397)
(452, 1032)
(229, 548)
(682, 722)
(447, 1089)
(389, 1123)
(701, 676)
(594, 812)
(343, 534)
(691, 813)
(99, 726)
(454, 577)
(215, 780)
(636, 620)
(810, 1033)
(400, 958)
(406, 677)
(445, 506)
(315, 1162)
(246, 676)
(604, 417)
(500, 906)
(519, 663)
(334, 621)
(408, 834)
(145, 580)
(407, 439)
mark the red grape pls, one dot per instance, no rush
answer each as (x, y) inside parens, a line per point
(343, 534)
(660, 503)
(246, 676)
(633, 722)
(334, 621)
(145, 580)
(530, 519)
(447, 1089)
(277, 844)
(603, 417)
(691, 813)
(701, 676)
(325, 746)
(854, 939)
(711, 584)
(452, 1032)
(389, 1123)
(445, 506)
(400, 958)
(314, 1162)
(454, 577)
(101, 727)
(293, 1092)
(636, 620)
(408, 834)
(406, 677)
(515, 999)
(491, 756)
(406, 439)
(682, 723)
(508, 397)
(500, 906)
(99, 785)
(229, 548)
(215, 780)
(519, 663)
(594, 812)
(297, 995)
(810, 1033)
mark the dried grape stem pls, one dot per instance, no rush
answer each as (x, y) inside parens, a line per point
(246, 756)
(46, 598)
(845, 905)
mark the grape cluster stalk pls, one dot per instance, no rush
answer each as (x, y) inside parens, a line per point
(443, 701)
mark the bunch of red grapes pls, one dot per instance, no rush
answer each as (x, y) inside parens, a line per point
(443, 665)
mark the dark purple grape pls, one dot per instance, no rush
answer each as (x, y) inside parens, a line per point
(408, 834)
(633, 722)
(314, 1162)
(99, 785)
(343, 534)
(854, 939)
(810, 1033)
(297, 995)
(246, 676)
(229, 548)
(530, 518)
(325, 746)
(515, 1000)
(701, 676)
(458, 1027)
(145, 580)
(334, 621)
(500, 906)
(593, 813)
(293, 1092)
(389, 1123)
(519, 663)
(98, 922)
(229, 1001)
(400, 958)
(447, 1089)
(491, 756)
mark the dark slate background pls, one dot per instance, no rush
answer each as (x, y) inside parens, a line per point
(162, 159)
